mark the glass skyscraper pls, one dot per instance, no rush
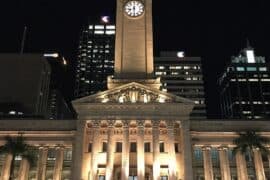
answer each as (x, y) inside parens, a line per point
(245, 87)
(95, 57)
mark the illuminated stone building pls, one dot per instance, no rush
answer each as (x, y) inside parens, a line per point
(133, 130)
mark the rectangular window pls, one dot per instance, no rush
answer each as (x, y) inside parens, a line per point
(133, 147)
(176, 147)
(147, 147)
(262, 69)
(118, 147)
(240, 69)
(161, 147)
(164, 178)
(101, 177)
(89, 147)
(251, 69)
(104, 147)
(68, 155)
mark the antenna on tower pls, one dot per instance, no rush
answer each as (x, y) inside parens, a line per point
(23, 40)
(248, 43)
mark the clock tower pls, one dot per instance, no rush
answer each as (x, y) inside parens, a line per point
(133, 44)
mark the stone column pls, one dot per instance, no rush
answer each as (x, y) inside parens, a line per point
(6, 167)
(140, 151)
(110, 151)
(42, 162)
(58, 165)
(241, 165)
(171, 150)
(125, 151)
(156, 153)
(224, 163)
(95, 150)
(258, 165)
(24, 169)
(268, 159)
(78, 148)
(186, 151)
(207, 163)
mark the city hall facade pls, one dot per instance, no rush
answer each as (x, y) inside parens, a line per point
(133, 130)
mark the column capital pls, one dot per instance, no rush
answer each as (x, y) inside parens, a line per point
(96, 123)
(125, 123)
(110, 123)
(206, 148)
(140, 123)
(223, 148)
(155, 123)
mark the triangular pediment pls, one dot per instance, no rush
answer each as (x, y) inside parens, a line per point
(132, 93)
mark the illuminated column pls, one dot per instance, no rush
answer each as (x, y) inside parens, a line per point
(24, 169)
(258, 165)
(156, 153)
(6, 167)
(186, 152)
(268, 159)
(42, 162)
(110, 151)
(140, 151)
(224, 163)
(171, 150)
(95, 141)
(78, 152)
(207, 163)
(125, 151)
(58, 165)
(241, 165)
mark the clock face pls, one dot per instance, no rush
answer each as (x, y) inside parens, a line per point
(134, 8)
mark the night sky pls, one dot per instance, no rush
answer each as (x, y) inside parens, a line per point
(213, 30)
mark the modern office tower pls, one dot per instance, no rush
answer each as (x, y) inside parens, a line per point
(183, 77)
(245, 87)
(95, 57)
(25, 83)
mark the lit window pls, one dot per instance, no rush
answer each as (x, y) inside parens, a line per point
(240, 69)
(161, 67)
(99, 27)
(99, 32)
(90, 27)
(253, 80)
(110, 27)
(110, 32)
(265, 80)
(251, 69)
(250, 56)
(186, 67)
(262, 69)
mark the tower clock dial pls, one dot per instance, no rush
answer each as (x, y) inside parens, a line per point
(134, 8)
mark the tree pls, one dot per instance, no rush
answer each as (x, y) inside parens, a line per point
(16, 146)
(248, 141)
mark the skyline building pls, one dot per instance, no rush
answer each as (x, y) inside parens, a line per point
(95, 60)
(25, 89)
(183, 77)
(133, 130)
(245, 87)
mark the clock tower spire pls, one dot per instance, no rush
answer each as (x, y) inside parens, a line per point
(133, 44)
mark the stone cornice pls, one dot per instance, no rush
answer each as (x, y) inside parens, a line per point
(140, 111)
